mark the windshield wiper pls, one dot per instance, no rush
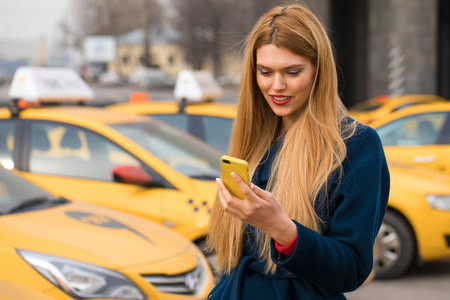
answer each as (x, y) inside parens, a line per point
(35, 202)
(205, 176)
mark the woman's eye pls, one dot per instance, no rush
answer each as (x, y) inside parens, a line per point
(294, 73)
(264, 72)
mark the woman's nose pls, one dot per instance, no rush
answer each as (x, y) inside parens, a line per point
(278, 82)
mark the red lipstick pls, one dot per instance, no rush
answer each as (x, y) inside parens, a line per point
(280, 99)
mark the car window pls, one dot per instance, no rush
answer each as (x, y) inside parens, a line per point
(66, 150)
(7, 130)
(408, 105)
(14, 189)
(174, 147)
(217, 131)
(179, 120)
(420, 129)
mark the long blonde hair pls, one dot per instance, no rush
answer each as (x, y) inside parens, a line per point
(313, 147)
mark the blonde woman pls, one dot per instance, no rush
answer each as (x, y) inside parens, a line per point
(320, 182)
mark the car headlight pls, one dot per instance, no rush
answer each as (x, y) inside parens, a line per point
(82, 280)
(441, 202)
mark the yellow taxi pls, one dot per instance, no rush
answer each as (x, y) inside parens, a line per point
(129, 163)
(209, 121)
(196, 113)
(12, 291)
(374, 108)
(416, 226)
(418, 135)
(53, 248)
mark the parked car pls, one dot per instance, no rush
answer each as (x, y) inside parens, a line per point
(418, 135)
(210, 121)
(416, 226)
(374, 108)
(150, 77)
(195, 109)
(110, 79)
(129, 163)
(13, 291)
(72, 250)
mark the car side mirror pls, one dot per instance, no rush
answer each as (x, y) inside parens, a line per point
(131, 174)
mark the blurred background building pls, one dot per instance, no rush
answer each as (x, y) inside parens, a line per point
(383, 47)
(391, 47)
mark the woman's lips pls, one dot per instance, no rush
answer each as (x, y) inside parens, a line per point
(280, 100)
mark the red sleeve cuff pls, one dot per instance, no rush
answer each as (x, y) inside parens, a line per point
(288, 249)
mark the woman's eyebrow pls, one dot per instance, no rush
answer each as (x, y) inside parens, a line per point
(261, 66)
(293, 66)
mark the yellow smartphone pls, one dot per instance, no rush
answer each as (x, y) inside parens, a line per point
(230, 164)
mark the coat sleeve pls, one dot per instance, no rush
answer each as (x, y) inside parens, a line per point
(342, 259)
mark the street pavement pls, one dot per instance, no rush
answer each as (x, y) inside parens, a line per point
(429, 281)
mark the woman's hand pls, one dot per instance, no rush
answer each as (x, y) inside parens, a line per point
(259, 209)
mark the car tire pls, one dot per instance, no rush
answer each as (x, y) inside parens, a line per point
(397, 247)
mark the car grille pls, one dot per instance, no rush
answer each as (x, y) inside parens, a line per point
(188, 283)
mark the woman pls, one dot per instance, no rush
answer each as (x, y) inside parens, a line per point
(320, 182)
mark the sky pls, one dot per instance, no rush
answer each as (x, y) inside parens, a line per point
(24, 22)
(30, 19)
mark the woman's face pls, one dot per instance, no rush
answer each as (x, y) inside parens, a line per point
(285, 80)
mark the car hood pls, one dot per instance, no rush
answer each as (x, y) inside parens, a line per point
(91, 234)
(417, 180)
(13, 291)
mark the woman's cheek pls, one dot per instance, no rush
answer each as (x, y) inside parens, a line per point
(263, 83)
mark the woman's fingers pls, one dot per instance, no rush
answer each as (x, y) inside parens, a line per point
(229, 203)
(240, 182)
(260, 192)
(259, 209)
(245, 189)
(221, 186)
(224, 194)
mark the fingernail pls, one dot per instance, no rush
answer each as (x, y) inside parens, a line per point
(217, 179)
(251, 185)
(233, 174)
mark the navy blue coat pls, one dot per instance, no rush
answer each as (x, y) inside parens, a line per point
(340, 258)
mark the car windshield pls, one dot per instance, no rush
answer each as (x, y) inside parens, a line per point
(176, 148)
(16, 191)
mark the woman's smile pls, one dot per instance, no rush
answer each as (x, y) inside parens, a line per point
(280, 100)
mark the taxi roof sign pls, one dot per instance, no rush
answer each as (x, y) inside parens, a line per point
(197, 86)
(49, 85)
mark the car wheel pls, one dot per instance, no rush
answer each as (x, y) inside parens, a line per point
(397, 247)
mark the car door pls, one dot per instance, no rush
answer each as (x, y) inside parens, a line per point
(420, 139)
(77, 163)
